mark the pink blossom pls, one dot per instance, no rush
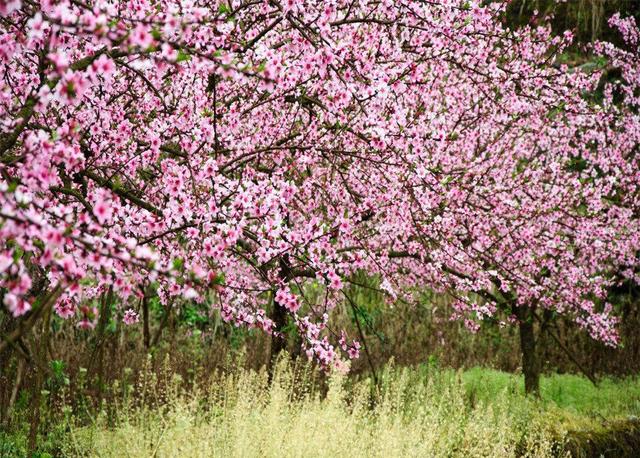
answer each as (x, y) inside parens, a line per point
(16, 305)
(36, 25)
(287, 299)
(140, 36)
(103, 211)
(103, 66)
(130, 317)
(89, 318)
(334, 280)
(5, 262)
(60, 60)
(354, 350)
(65, 308)
(308, 159)
(9, 6)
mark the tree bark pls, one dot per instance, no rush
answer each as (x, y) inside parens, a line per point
(279, 318)
(15, 390)
(278, 341)
(24, 325)
(530, 361)
(163, 324)
(96, 365)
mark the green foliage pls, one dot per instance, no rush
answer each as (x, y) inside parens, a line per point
(58, 377)
(183, 56)
(12, 445)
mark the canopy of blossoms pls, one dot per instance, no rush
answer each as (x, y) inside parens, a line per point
(231, 151)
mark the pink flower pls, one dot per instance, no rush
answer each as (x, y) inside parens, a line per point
(290, 5)
(103, 211)
(72, 87)
(386, 286)
(60, 60)
(287, 299)
(36, 26)
(89, 317)
(9, 6)
(334, 280)
(141, 36)
(16, 305)
(130, 317)
(85, 323)
(53, 238)
(5, 261)
(169, 52)
(352, 156)
(103, 66)
(354, 350)
(65, 308)
(341, 366)
(190, 293)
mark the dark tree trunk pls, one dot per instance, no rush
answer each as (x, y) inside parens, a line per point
(279, 318)
(163, 324)
(96, 365)
(530, 362)
(15, 390)
(278, 340)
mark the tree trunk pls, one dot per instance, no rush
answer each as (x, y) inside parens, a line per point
(278, 340)
(15, 390)
(530, 363)
(279, 318)
(96, 365)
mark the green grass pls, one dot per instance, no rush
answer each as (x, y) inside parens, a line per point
(610, 399)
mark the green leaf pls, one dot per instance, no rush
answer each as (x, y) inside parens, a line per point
(57, 366)
(87, 281)
(178, 264)
(17, 253)
(219, 279)
(183, 56)
(577, 164)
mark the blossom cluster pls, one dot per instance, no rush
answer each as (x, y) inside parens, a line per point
(230, 152)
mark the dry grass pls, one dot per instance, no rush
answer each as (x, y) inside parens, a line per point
(240, 414)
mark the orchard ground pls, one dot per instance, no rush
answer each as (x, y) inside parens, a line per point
(420, 411)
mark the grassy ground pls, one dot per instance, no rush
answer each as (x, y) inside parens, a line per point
(573, 394)
(423, 411)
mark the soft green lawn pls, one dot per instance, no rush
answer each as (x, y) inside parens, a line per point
(612, 398)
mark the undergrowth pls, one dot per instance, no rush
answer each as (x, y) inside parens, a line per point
(420, 411)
